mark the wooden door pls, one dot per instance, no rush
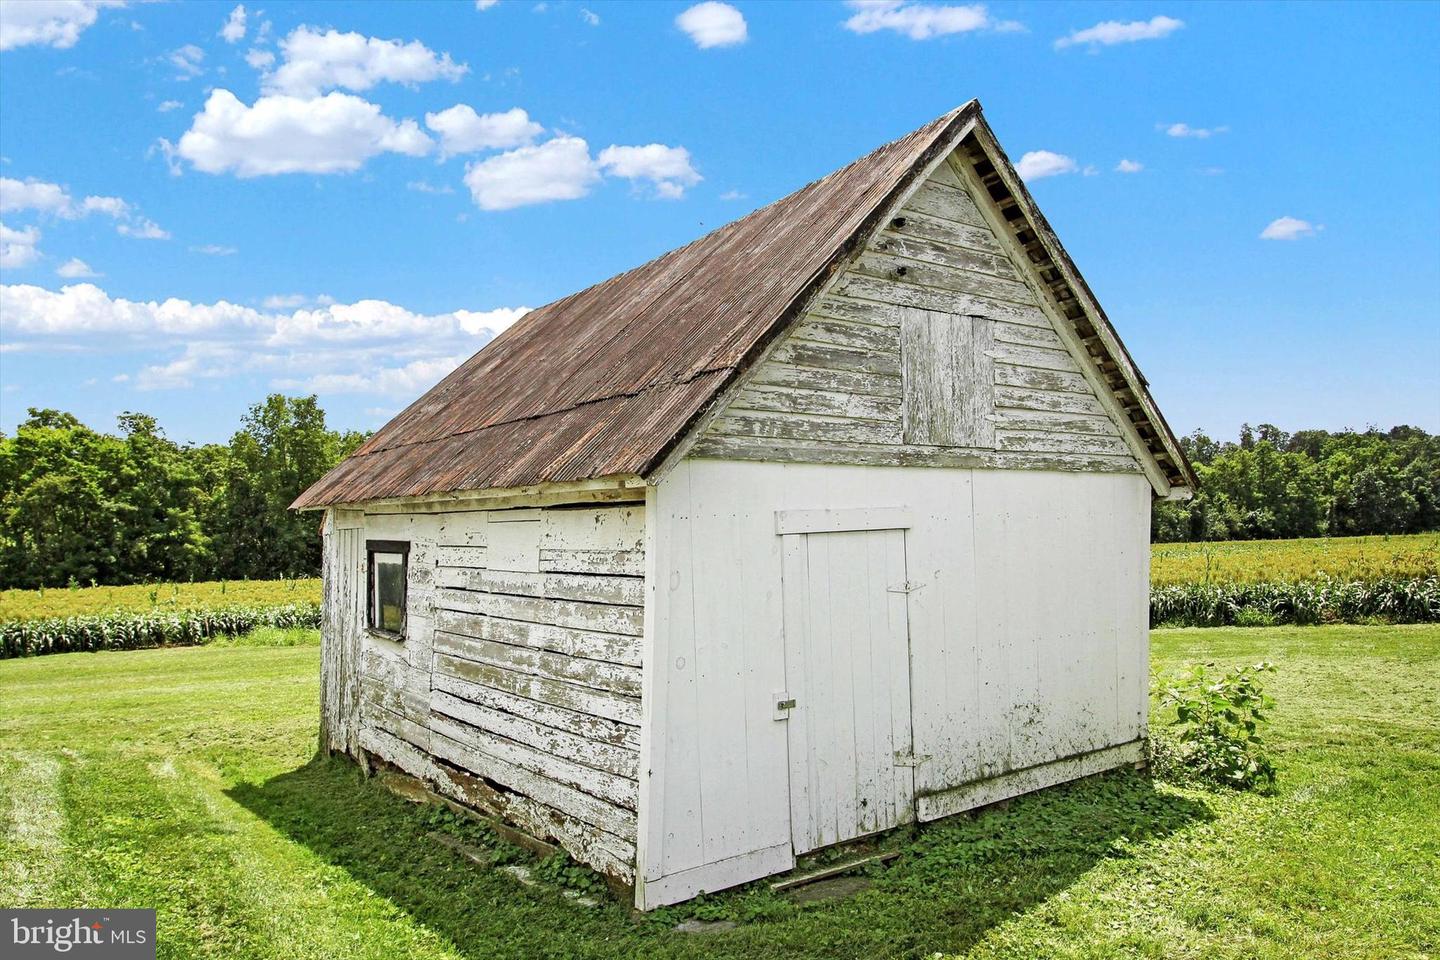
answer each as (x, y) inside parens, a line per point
(847, 660)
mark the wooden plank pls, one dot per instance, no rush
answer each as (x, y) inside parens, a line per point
(1038, 357)
(949, 380)
(823, 402)
(885, 267)
(599, 617)
(571, 696)
(602, 756)
(1060, 442)
(940, 200)
(842, 520)
(597, 784)
(861, 287)
(1027, 336)
(801, 451)
(626, 563)
(593, 728)
(513, 543)
(1034, 378)
(594, 528)
(754, 423)
(950, 232)
(1056, 422)
(598, 674)
(454, 743)
(777, 374)
(453, 556)
(826, 357)
(845, 333)
(611, 647)
(558, 586)
(900, 243)
(1021, 398)
(611, 855)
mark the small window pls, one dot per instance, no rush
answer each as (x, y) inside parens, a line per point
(385, 594)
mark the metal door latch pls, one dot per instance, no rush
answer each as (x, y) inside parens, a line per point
(784, 703)
(908, 758)
(906, 587)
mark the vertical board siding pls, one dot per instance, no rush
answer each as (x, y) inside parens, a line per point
(949, 379)
(932, 341)
(517, 687)
(1027, 640)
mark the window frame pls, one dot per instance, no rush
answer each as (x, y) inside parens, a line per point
(372, 547)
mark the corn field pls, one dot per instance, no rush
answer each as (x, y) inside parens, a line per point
(1322, 600)
(132, 631)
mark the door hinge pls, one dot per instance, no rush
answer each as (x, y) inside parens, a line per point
(784, 703)
(908, 758)
(906, 587)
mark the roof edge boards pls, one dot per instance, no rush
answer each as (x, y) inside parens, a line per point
(1077, 304)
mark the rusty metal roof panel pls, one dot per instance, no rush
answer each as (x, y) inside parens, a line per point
(605, 381)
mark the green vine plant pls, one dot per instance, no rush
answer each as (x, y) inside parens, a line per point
(1214, 732)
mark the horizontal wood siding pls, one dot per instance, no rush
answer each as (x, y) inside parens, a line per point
(517, 687)
(841, 387)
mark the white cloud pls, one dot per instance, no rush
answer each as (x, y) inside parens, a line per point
(18, 247)
(52, 199)
(75, 268)
(590, 17)
(143, 229)
(411, 380)
(1112, 32)
(732, 195)
(282, 134)
(713, 24)
(34, 195)
(169, 105)
(313, 61)
(260, 59)
(214, 250)
(1184, 130)
(485, 4)
(290, 301)
(53, 23)
(921, 21)
(1038, 164)
(1129, 166)
(425, 186)
(462, 130)
(234, 29)
(1289, 228)
(558, 169)
(370, 346)
(187, 60)
(668, 168)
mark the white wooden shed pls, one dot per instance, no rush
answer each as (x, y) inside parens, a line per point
(830, 521)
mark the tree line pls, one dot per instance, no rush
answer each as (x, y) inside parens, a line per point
(1271, 485)
(78, 506)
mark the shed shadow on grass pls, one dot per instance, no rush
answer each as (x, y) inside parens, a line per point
(954, 881)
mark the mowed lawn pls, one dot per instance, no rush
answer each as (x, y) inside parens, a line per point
(185, 779)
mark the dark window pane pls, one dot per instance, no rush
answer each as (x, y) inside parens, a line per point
(388, 594)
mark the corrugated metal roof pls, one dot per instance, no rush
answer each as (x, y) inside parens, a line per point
(605, 381)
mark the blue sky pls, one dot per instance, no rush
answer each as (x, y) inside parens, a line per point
(195, 216)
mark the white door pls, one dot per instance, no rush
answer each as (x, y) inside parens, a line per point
(847, 663)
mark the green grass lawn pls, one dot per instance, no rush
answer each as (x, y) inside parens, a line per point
(184, 779)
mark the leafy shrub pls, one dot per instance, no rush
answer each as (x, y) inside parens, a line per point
(1216, 728)
(153, 598)
(1322, 600)
(132, 631)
